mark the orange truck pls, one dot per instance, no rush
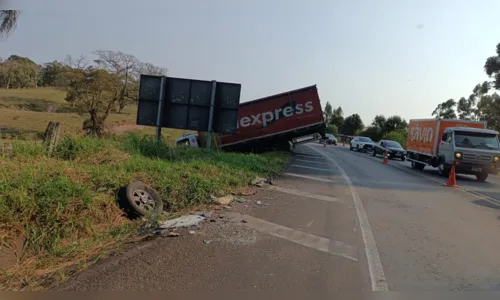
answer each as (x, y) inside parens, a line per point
(468, 145)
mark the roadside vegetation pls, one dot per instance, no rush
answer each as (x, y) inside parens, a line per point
(62, 210)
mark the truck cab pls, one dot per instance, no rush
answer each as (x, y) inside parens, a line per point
(473, 151)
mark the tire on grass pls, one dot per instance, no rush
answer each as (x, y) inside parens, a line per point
(139, 199)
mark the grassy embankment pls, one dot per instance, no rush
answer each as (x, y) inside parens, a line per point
(61, 210)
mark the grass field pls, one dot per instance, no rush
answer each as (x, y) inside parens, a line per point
(25, 113)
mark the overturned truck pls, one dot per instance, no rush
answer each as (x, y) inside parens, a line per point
(276, 122)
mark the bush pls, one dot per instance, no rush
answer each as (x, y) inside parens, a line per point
(398, 136)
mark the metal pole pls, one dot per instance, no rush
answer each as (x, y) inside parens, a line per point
(211, 116)
(161, 100)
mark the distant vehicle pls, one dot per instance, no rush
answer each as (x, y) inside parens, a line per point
(361, 143)
(393, 148)
(188, 139)
(467, 145)
(329, 139)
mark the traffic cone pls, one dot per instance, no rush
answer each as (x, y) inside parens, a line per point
(324, 144)
(386, 157)
(452, 180)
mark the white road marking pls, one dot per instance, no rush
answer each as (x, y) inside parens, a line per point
(303, 194)
(309, 161)
(377, 275)
(310, 224)
(312, 168)
(299, 237)
(310, 177)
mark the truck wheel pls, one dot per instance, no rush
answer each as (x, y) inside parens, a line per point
(374, 152)
(443, 170)
(418, 166)
(481, 177)
(138, 199)
(403, 158)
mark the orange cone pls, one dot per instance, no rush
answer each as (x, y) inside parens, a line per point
(452, 180)
(386, 157)
(324, 144)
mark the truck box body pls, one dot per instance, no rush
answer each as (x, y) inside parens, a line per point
(276, 119)
(424, 135)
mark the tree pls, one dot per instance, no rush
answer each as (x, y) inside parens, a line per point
(333, 129)
(379, 122)
(446, 110)
(394, 123)
(492, 68)
(8, 21)
(352, 124)
(327, 113)
(93, 91)
(372, 132)
(488, 109)
(337, 117)
(18, 72)
(400, 136)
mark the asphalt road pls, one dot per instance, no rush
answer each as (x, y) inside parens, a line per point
(337, 220)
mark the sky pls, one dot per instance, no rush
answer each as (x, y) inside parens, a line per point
(388, 57)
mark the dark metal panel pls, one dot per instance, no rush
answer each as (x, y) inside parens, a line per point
(149, 88)
(198, 118)
(174, 116)
(147, 112)
(227, 95)
(225, 121)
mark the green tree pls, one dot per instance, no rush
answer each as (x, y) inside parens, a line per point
(352, 125)
(488, 109)
(18, 72)
(372, 132)
(327, 113)
(492, 68)
(93, 91)
(400, 136)
(395, 123)
(379, 122)
(333, 129)
(446, 110)
(8, 21)
(337, 117)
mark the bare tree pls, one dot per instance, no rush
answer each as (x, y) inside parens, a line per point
(80, 62)
(124, 66)
(150, 69)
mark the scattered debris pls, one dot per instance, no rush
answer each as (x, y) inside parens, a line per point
(212, 220)
(206, 241)
(227, 207)
(239, 200)
(226, 200)
(173, 234)
(243, 221)
(192, 232)
(259, 181)
(261, 203)
(184, 221)
(203, 215)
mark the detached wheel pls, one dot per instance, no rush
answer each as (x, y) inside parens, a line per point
(140, 199)
(481, 177)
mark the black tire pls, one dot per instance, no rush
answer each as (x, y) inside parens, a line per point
(481, 177)
(139, 199)
(444, 170)
(351, 148)
(374, 152)
(403, 158)
(418, 166)
(357, 148)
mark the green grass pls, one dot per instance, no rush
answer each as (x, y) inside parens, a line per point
(64, 207)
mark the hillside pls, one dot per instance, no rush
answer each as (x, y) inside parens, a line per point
(25, 113)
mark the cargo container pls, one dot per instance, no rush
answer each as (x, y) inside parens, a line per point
(442, 144)
(277, 121)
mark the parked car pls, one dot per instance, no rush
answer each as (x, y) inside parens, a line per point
(329, 139)
(393, 148)
(361, 143)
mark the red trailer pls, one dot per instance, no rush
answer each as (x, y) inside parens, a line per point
(273, 121)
